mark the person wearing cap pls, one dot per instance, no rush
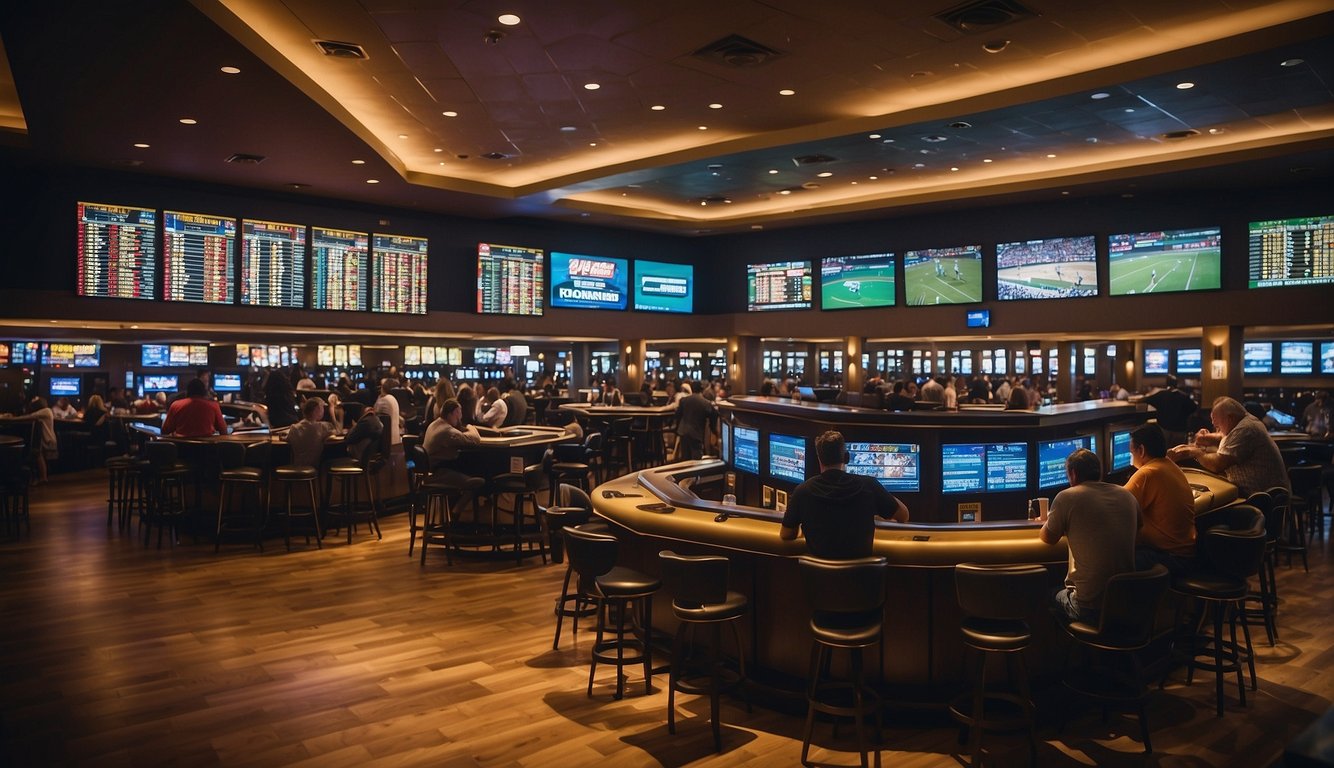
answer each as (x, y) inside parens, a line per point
(306, 438)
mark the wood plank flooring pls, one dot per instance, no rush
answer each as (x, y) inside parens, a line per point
(116, 654)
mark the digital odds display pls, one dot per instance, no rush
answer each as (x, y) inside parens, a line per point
(943, 275)
(273, 264)
(1053, 268)
(197, 257)
(746, 449)
(1120, 451)
(780, 285)
(398, 265)
(1166, 261)
(662, 287)
(1052, 455)
(1291, 252)
(588, 282)
(1257, 357)
(857, 282)
(896, 466)
(509, 280)
(978, 467)
(338, 269)
(787, 457)
(1157, 361)
(117, 250)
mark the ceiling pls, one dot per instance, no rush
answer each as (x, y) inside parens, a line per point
(893, 106)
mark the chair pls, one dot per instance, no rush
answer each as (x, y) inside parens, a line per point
(418, 465)
(164, 482)
(524, 487)
(444, 495)
(290, 476)
(847, 599)
(244, 466)
(1231, 552)
(14, 481)
(347, 472)
(619, 451)
(1307, 507)
(1266, 597)
(118, 493)
(570, 464)
(997, 602)
(1125, 628)
(621, 596)
(700, 598)
(575, 511)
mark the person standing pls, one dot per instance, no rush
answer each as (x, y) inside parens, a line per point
(47, 448)
(387, 405)
(1174, 407)
(933, 391)
(693, 413)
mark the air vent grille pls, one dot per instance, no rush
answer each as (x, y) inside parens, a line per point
(982, 15)
(737, 51)
(341, 50)
(803, 160)
(242, 158)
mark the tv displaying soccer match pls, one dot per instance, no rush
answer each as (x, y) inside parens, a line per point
(1054, 268)
(943, 275)
(1167, 261)
(857, 282)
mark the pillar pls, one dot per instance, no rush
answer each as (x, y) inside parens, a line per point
(744, 362)
(576, 366)
(631, 374)
(1220, 353)
(853, 375)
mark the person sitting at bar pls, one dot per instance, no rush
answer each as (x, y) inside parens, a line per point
(1241, 450)
(836, 510)
(900, 400)
(194, 415)
(516, 405)
(95, 420)
(1318, 418)
(387, 405)
(492, 409)
(446, 437)
(306, 438)
(280, 399)
(364, 438)
(1167, 506)
(63, 410)
(116, 400)
(1018, 400)
(1099, 521)
(610, 394)
(932, 391)
(47, 450)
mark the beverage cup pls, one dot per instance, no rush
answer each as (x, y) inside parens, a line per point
(729, 499)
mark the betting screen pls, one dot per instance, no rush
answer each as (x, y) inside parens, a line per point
(1188, 360)
(1292, 252)
(588, 282)
(1257, 357)
(197, 257)
(787, 457)
(977, 467)
(663, 287)
(338, 274)
(1120, 450)
(1052, 455)
(399, 264)
(117, 251)
(780, 285)
(1156, 361)
(63, 355)
(273, 264)
(1296, 357)
(897, 466)
(509, 280)
(746, 449)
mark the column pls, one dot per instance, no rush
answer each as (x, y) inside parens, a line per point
(1220, 358)
(853, 375)
(576, 366)
(1070, 361)
(811, 376)
(744, 366)
(631, 375)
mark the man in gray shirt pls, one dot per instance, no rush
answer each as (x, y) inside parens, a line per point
(1245, 453)
(1099, 521)
(444, 439)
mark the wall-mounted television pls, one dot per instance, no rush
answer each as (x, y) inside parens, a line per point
(1165, 261)
(338, 269)
(117, 251)
(661, 287)
(1052, 455)
(979, 318)
(897, 466)
(787, 457)
(398, 272)
(197, 257)
(412, 355)
(1120, 441)
(503, 356)
(155, 356)
(1296, 357)
(510, 280)
(226, 382)
(778, 285)
(978, 467)
(1188, 360)
(160, 382)
(1327, 357)
(1257, 357)
(65, 386)
(273, 264)
(857, 282)
(1157, 361)
(1288, 252)
(725, 441)
(943, 275)
(588, 282)
(746, 447)
(64, 355)
(324, 354)
(1054, 268)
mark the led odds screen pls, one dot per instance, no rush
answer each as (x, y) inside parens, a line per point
(588, 282)
(1291, 252)
(943, 275)
(661, 287)
(778, 285)
(856, 282)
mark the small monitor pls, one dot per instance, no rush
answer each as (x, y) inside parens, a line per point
(977, 467)
(1327, 357)
(243, 354)
(157, 382)
(746, 449)
(979, 318)
(787, 457)
(1157, 361)
(1052, 455)
(1257, 357)
(897, 466)
(1296, 357)
(227, 382)
(412, 355)
(1120, 450)
(64, 386)
(1188, 360)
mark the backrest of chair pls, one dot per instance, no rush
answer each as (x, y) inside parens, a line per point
(1236, 518)
(1130, 604)
(573, 496)
(1233, 553)
(160, 452)
(1273, 519)
(569, 452)
(1304, 479)
(695, 580)
(12, 460)
(258, 454)
(419, 463)
(593, 443)
(231, 455)
(1000, 591)
(591, 554)
(844, 586)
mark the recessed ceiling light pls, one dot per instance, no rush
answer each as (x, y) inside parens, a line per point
(715, 105)
(773, 170)
(787, 92)
(1185, 86)
(784, 191)
(358, 162)
(922, 73)
(1292, 62)
(591, 86)
(854, 182)
(825, 174)
(437, 149)
(986, 159)
(1065, 191)
(372, 181)
(188, 121)
(704, 127)
(442, 163)
(402, 135)
(657, 107)
(703, 202)
(1216, 131)
(1051, 155)
(232, 70)
(592, 143)
(450, 113)
(1100, 95)
(134, 326)
(873, 178)
(954, 168)
(141, 145)
(757, 226)
(919, 165)
(874, 136)
(508, 19)
(568, 128)
(886, 141)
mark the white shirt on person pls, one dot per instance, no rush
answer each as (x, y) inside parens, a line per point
(494, 415)
(387, 405)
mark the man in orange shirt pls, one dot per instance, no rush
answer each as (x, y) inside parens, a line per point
(194, 415)
(1167, 535)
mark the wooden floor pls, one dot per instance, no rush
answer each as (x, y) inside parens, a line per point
(116, 654)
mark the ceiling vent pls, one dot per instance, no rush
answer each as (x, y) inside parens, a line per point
(982, 15)
(737, 51)
(803, 160)
(495, 156)
(242, 158)
(1178, 135)
(341, 50)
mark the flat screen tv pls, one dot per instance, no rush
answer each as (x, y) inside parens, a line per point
(1288, 252)
(412, 355)
(197, 257)
(227, 382)
(979, 318)
(243, 354)
(787, 457)
(588, 282)
(338, 269)
(1327, 357)
(117, 251)
(1296, 357)
(1054, 268)
(510, 280)
(398, 274)
(159, 382)
(1188, 360)
(857, 282)
(273, 264)
(897, 466)
(65, 386)
(155, 356)
(778, 285)
(661, 287)
(1257, 357)
(65, 355)
(1157, 361)
(324, 354)
(943, 275)
(1120, 441)
(983, 467)
(1052, 455)
(1165, 261)
(746, 447)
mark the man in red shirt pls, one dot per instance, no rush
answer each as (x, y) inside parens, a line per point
(194, 415)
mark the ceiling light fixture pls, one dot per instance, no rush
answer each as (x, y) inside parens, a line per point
(787, 92)
(231, 70)
(1292, 62)
(450, 113)
(874, 136)
(771, 170)
(437, 149)
(592, 143)
(824, 174)
(657, 107)
(704, 127)
(188, 121)
(568, 128)
(873, 178)
(784, 191)
(986, 159)
(1185, 86)
(995, 46)
(954, 168)
(372, 181)
(715, 105)
(1050, 155)
(508, 19)
(358, 162)
(141, 145)
(402, 135)
(592, 86)
(1100, 95)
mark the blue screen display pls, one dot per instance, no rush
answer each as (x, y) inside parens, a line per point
(1120, 450)
(1296, 356)
(746, 449)
(1052, 455)
(787, 457)
(897, 466)
(227, 382)
(663, 287)
(1007, 467)
(1257, 357)
(156, 356)
(1188, 360)
(979, 318)
(1327, 357)
(64, 386)
(158, 383)
(588, 282)
(990, 467)
(1156, 361)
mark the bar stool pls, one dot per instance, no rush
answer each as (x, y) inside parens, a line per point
(1265, 599)
(1307, 507)
(14, 481)
(620, 446)
(575, 512)
(443, 495)
(347, 472)
(165, 491)
(997, 601)
(570, 464)
(1231, 552)
(291, 476)
(700, 598)
(118, 476)
(1125, 627)
(244, 466)
(847, 599)
(419, 471)
(524, 487)
(625, 594)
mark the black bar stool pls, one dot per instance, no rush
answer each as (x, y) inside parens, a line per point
(1262, 604)
(291, 476)
(576, 511)
(524, 487)
(419, 471)
(242, 466)
(118, 476)
(700, 598)
(570, 465)
(350, 476)
(445, 494)
(165, 491)
(997, 602)
(624, 594)
(14, 481)
(847, 599)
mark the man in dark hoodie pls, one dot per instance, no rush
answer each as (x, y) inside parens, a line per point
(835, 510)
